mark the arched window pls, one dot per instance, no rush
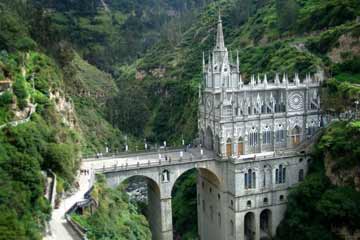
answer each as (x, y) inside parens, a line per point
(280, 134)
(280, 174)
(219, 219)
(211, 213)
(253, 138)
(232, 228)
(229, 148)
(266, 200)
(203, 206)
(301, 175)
(248, 203)
(267, 135)
(296, 133)
(281, 198)
(165, 176)
(250, 179)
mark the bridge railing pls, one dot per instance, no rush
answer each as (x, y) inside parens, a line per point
(140, 165)
(90, 158)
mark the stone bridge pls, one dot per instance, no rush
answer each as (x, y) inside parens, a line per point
(161, 169)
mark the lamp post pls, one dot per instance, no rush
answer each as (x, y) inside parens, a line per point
(126, 144)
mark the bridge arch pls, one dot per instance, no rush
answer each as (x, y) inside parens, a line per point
(206, 211)
(152, 192)
(210, 174)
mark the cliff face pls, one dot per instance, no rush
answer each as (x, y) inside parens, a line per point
(342, 178)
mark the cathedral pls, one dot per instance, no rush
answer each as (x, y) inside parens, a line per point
(259, 128)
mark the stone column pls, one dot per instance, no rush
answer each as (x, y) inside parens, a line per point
(166, 219)
(257, 225)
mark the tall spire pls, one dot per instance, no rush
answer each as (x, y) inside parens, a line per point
(220, 43)
(204, 65)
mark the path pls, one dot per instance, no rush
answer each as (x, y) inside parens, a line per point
(22, 121)
(59, 229)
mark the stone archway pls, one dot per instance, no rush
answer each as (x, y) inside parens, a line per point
(265, 225)
(249, 226)
(204, 212)
(152, 200)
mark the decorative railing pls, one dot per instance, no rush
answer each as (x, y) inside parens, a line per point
(108, 156)
(150, 164)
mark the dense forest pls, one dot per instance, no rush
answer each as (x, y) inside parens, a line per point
(95, 71)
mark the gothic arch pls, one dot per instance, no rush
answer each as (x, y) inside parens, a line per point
(249, 226)
(209, 174)
(296, 135)
(265, 224)
(229, 147)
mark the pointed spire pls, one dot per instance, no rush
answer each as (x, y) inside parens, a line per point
(297, 79)
(285, 80)
(241, 81)
(209, 63)
(277, 79)
(204, 65)
(265, 79)
(252, 80)
(220, 43)
(237, 62)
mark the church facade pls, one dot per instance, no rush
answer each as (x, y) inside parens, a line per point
(259, 129)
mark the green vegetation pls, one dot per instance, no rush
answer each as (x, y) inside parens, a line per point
(152, 53)
(115, 218)
(184, 205)
(317, 208)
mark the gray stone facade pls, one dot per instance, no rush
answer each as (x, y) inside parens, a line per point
(258, 127)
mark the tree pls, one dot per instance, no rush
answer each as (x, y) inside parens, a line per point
(287, 13)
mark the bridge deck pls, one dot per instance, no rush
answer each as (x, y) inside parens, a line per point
(130, 161)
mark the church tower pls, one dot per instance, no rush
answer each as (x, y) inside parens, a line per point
(263, 115)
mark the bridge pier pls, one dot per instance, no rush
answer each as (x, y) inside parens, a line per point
(166, 219)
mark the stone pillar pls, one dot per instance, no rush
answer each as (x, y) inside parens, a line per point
(257, 225)
(166, 219)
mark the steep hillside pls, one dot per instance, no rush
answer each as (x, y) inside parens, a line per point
(110, 32)
(44, 122)
(271, 36)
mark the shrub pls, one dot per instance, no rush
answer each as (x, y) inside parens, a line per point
(20, 89)
(22, 103)
(6, 98)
